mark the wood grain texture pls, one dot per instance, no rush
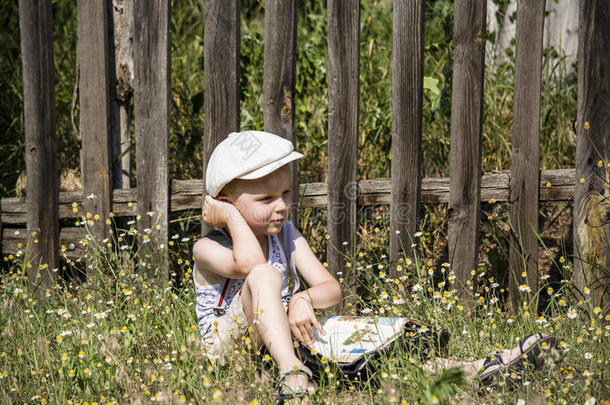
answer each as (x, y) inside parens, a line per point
(70, 241)
(466, 127)
(152, 114)
(592, 195)
(35, 24)
(280, 76)
(343, 98)
(524, 185)
(94, 113)
(221, 75)
(407, 98)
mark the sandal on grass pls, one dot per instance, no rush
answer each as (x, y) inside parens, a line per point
(531, 349)
(286, 392)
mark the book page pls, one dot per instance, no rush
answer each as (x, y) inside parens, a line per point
(349, 337)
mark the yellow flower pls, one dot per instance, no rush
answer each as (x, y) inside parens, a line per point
(587, 125)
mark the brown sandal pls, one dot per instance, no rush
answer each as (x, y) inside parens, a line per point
(285, 392)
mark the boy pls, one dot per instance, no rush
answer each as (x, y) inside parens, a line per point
(245, 267)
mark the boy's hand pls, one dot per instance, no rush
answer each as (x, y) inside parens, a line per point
(302, 319)
(218, 213)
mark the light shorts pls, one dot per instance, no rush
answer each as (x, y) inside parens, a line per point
(226, 331)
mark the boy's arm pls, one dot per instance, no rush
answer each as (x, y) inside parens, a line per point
(324, 290)
(237, 262)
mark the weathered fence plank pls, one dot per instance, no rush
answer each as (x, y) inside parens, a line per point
(591, 197)
(280, 75)
(466, 127)
(94, 113)
(35, 24)
(221, 75)
(70, 239)
(152, 114)
(524, 186)
(343, 98)
(407, 99)
(186, 195)
(555, 185)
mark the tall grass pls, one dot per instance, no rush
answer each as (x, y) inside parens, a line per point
(124, 337)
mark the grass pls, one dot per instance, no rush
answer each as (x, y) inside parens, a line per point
(122, 336)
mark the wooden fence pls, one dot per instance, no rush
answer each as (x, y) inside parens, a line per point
(523, 187)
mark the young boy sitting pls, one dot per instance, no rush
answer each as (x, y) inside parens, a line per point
(247, 268)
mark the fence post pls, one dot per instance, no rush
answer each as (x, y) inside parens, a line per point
(152, 114)
(35, 24)
(343, 98)
(94, 115)
(524, 185)
(280, 75)
(221, 76)
(591, 196)
(407, 96)
(466, 128)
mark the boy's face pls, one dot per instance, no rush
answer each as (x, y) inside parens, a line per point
(265, 202)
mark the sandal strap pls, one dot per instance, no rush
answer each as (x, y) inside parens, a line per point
(303, 369)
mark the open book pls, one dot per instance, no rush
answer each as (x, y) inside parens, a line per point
(349, 337)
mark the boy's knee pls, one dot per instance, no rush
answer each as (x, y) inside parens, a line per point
(264, 275)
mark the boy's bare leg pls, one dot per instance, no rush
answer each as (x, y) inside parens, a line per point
(261, 301)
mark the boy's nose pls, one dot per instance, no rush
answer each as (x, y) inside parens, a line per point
(281, 204)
